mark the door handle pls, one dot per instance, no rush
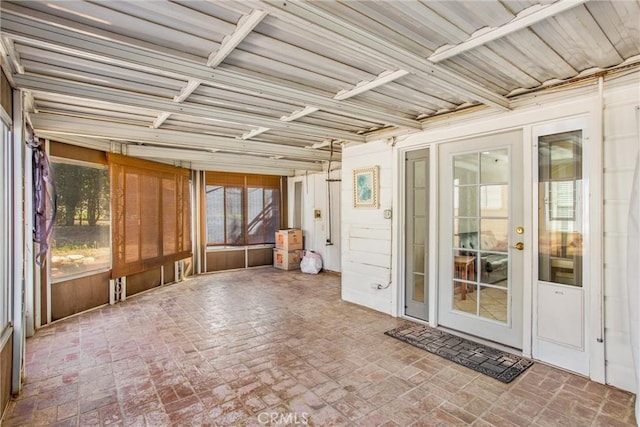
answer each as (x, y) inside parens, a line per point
(519, 246)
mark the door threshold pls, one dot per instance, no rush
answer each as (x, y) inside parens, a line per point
(415, 320)
(479, 340)
(488, 343)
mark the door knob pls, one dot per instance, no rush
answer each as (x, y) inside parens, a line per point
(519, 246)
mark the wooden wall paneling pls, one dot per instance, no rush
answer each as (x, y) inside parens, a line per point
(80, 294)
(6, 97)
(144, 281)
(261, 256)
(6, 363)
(169, 273)
(225, 260)
(43, 293)
(74, 152)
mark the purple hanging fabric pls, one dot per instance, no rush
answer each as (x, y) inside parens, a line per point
(44, 199)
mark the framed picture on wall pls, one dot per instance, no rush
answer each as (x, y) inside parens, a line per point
(365, 188)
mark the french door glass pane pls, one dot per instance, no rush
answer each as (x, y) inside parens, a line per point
(494, 167)
(418, 258)
(419, 231)
(418, 287)
(466, 200)
(465, 297)
(419, 174)
(465, 169)
(560, 217)
(494, 200)
(465, 233)
(419, 197)
(481, 223)
(493, 303)
(494, 234)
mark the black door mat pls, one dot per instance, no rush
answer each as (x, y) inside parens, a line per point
(495, 363)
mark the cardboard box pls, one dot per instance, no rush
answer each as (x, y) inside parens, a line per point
(287, 260)
(289, 239)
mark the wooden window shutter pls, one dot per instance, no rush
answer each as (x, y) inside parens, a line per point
(151, 206)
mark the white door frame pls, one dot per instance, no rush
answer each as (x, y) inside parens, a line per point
(480, 124)
(399, 224)
(593, 228)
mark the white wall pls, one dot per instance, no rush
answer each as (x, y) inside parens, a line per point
(316, 231)
(621, 141)
(366, 235)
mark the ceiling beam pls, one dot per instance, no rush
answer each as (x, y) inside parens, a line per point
(241, 168)
(254, 132)
(81, 141)
(375, 45)
(246, 24)
(186, 91)
(221, 164)
(221, 158)
(34, 32)
(364, 86)
(65, 125)
(524, 19)
(8, 49)
(160, 119)
(299, 113)
(87, 91)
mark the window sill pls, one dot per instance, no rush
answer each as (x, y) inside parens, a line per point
(6, 334)
(79, 275)
(238, 248)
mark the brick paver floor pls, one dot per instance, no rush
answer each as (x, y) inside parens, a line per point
(270, 347)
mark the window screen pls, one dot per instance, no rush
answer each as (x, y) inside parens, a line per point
(241, 209)
(81, 232)
(151, 214)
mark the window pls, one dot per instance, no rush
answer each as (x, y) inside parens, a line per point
(560, 223)
(151, 207)
(263, 220)
(224, 215)
(81, 232)
(5, 268)
(241, 209)
(561, 201)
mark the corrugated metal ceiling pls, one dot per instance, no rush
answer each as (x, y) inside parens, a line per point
(136, 72)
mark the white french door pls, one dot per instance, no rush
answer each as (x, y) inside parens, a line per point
(481, 249)
(416, 297)
(560, 315)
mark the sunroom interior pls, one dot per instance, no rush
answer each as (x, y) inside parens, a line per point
(148, 142)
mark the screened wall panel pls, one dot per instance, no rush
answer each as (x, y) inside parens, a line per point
(170, 217)
(151, 204)
(151, 214)
(131, 218)
(242, 209)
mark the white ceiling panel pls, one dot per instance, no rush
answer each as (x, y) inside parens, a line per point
(101, 71)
